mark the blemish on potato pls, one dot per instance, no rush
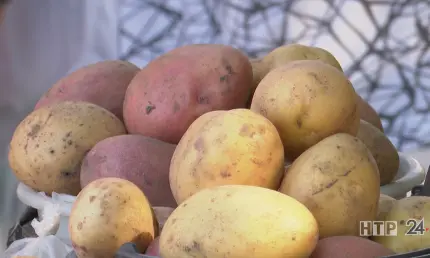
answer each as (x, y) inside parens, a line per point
(257, 161)
(299, 122)
(176, 107)
(34, 131)
(225, 174)
(246, 131)
(348, 171)
(149, 108)
(199, 145)
(80, 225)
(66, 173)
(170, 239)
(92, 198)
(203, 100)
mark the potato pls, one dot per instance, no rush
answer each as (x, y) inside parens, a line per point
(103, 83)
(307, 101)
(413, 207)
(349, 247)
(337, 174)
(183, 84)
(239, 221)
(285, 54)
(154, 248)
(384, 152)
(108, 213)
(227, 147)
(48, 146)
(385, 204)
(368, 114)
(139, 159)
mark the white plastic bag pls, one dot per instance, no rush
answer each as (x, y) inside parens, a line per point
(47, 245)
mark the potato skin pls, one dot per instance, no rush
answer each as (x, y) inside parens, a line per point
(103, 83)
(108, 213)
(183, 84)
(48, 146)
(142, 160)
(337, 174)
(307, 101)
(349, 247)
(154, 248)
(285, 54)
(413, 207)
(224, 221)
(385, 204)
(384, 152)
(368, 114)
(227, 147)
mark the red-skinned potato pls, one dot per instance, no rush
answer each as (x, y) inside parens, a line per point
(349, 247)
(103, 83)
(142, 160)
(154, 248)
(179, 86)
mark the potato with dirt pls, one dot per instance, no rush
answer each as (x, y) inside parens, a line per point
(48, 146)
(179, 86)
(307, 101)
(384, 152)
(412, 215)
(239, 221)
(337, 174)
(108, 213)
(142, 160)
(103, 83)
(227, 147)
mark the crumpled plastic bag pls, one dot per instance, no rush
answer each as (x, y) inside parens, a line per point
(46, 245)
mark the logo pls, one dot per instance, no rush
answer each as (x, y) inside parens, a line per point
(389, 228)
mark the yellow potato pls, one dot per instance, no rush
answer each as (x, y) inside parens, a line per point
(384, 152)
(338, 180)
(416, 208)
(108, 213)
(48, 146)
(239, 221)
(368, 114)
(385, 204)
(307, 101)
(227, 147)
(286, 54)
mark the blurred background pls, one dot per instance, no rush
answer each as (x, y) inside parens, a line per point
(383, 46)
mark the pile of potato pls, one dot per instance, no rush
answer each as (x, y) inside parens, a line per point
(207, 153)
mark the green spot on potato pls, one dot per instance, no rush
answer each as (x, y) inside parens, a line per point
(149, 108)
